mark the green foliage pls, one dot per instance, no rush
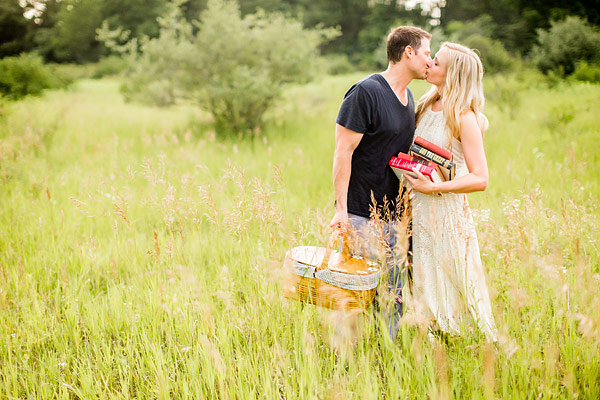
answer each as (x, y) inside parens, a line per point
(15, 31)
(504, 90)
(137, 16)
(336, 64)
(349, 16)
(72, 72)
(107, 66)
(559, 117)
(505, 94)
(234, 67)
(459, 30)
(67, 29)
(586, 72)
(159, 70)
(379, 19)
(477, 34)
(246, 62)
(27, 75)
(515, 22)
(493, 55)
(566, 43)
(74, 38)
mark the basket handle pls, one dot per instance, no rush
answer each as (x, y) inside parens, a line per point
(332, 242)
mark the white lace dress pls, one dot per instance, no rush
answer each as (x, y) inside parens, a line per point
(448, 278)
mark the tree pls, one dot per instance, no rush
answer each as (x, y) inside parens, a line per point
(137, 16)
(15, 31)
(515, 22)
(75, 35)
(363, 23)
(25, 75)
(477, 34)
(565, 44)
(67, 29)
(379, 20)
(233, 66)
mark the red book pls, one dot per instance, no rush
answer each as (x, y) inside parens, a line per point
(401, 166)
(416, 159)
(432, 147)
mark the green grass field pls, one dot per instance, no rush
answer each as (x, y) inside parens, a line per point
(141, 256)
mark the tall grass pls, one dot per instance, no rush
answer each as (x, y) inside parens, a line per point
(141, 256)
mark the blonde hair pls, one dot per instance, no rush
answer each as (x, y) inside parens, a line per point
(462, 91)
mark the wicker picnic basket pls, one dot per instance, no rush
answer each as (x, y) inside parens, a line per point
(329, 278)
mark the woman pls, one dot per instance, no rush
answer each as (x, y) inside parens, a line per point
(448, 278)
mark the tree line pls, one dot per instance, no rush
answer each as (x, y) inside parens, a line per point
(65, 30)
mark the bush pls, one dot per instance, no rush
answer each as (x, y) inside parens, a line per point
(337, 64)
(477, 35)
(493, 55)
(109, 66)
(72, 72)
(233, 67)
(586, 72)
(458, 31)
(565, 44)
(504, 91)
(26, 75)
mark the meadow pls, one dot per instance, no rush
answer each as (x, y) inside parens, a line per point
(141, 254)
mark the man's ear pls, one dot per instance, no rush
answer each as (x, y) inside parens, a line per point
(409, 51)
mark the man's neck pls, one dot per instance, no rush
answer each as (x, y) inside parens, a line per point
(398, 77)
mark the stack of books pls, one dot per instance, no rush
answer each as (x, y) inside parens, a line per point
(429, 159)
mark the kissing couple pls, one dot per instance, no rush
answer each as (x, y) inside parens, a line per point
(377, 120)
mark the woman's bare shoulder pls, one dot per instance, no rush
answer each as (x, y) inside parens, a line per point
(469, 124)
(468, 116)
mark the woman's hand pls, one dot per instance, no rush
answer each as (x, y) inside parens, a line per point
(419, 182)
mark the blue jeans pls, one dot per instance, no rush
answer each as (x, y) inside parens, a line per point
(379, 242)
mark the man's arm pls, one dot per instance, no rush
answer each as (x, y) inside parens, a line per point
(346, 141)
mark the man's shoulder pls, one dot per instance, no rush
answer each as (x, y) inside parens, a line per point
(369, 83)
(366, 88)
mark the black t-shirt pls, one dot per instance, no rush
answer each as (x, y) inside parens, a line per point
(371, 107)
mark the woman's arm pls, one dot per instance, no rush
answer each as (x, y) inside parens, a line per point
(476, 180)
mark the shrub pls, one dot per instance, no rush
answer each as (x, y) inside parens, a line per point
(458, 31)
(26, 75)
(108, 66)
(477, 34)
(161, 70)
(69, 72)
(586, 72)
(493, 55)
(233, 67)
(504, 91)
(565, 44)
(336, 64)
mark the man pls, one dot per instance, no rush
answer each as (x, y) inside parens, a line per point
(377, 121)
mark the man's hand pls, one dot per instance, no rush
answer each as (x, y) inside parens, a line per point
(340, 220)
(346, 142)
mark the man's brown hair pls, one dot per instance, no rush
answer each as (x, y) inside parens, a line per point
(401, 37)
